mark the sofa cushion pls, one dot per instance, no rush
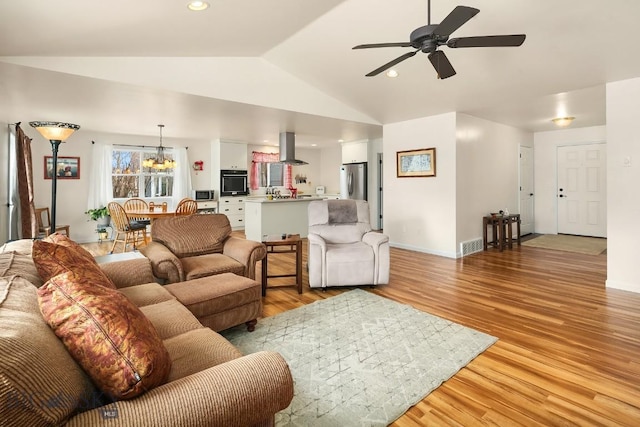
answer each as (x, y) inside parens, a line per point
(40, 383)
(197, 350)
(17, 264)
(146, 294)
(170, 318)
(208, 265)
(193, 234)
(52, 259)
(107, 334)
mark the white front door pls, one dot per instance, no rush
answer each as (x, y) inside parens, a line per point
(582, 195)
(526, 190)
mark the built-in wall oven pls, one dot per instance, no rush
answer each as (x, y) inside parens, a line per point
(234, 182)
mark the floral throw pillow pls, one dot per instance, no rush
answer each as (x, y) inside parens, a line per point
(52, 259)
(106, 334)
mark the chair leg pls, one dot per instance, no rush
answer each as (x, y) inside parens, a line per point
(115, 241)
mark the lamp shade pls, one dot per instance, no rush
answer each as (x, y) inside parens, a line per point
(55, 131)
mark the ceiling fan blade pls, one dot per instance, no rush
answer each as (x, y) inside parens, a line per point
(442, 65)
(455, 20)
(392, 63)
(487, 41)
(368, 46)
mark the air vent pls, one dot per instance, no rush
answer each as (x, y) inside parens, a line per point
(471, 246)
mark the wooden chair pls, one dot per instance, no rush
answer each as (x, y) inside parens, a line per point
(132, 231)
(137, 205)
(44, 227)
(187, 206)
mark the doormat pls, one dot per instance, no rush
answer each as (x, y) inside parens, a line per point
(360, 359)
(569, 243)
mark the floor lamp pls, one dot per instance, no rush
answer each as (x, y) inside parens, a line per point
(56, 133)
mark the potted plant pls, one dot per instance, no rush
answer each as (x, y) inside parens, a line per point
(101, 215)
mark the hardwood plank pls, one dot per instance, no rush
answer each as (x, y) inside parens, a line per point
(568, 350)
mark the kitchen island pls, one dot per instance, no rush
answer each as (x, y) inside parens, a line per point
(277, 216)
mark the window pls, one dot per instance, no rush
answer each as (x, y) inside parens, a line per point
(130, 179)
(271, 174)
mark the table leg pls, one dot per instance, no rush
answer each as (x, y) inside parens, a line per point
(500, 234)
(518, 228)
(264, 273)
(485, 224)
(299, 265)
(510, 233)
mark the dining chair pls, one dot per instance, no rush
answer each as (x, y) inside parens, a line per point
(126, 230)
(136, 204)
(44, 227)
(187, 206)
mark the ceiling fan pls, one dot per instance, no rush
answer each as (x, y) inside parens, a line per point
(429, 37)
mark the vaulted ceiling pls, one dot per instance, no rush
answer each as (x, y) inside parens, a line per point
(247, 70)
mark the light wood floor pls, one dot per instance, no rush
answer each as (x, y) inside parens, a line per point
(568, 350)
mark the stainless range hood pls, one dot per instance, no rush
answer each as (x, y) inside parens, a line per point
(288, 149)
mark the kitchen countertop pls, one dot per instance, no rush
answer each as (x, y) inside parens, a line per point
(265, 200)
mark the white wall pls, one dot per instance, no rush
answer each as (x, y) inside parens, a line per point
(420, 213)
(72, 194)
(545, 171)
(623, 196)
(4, 182)
(487, 165)
(331, 159)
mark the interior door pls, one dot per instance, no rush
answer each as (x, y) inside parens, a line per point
(526, 191)
(582, 191)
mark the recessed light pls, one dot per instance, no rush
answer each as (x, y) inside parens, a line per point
(341, 140)
(314, 145)
(197, 5)
(392, 73)
(563, 121)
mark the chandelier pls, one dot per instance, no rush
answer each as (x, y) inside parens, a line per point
(160, 162)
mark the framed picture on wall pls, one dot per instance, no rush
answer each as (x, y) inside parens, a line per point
(67, 167)
(416, 163)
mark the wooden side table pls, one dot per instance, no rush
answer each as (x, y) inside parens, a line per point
(277, 244)
(502, 226)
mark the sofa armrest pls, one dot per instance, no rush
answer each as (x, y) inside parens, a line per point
(375, 239)
(242, 392)
(129, 273)
(247, 252)
(164, 263)
(316, 239)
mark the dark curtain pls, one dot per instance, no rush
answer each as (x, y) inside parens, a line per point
(25, 185)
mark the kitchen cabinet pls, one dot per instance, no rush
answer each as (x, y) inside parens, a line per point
(233, 208)
(233, 156)
(355, 152)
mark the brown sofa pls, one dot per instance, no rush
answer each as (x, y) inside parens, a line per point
(210, 382)
(189, 247)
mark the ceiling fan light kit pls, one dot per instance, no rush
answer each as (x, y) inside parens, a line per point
(429, 38)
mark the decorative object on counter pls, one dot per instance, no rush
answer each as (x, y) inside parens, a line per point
(416, 163)
(56, 133)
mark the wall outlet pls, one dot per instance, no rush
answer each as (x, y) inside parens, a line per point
(626, 162)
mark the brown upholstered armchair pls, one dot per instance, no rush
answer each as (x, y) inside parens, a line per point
(188, 247)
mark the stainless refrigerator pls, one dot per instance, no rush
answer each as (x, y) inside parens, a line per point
(353, 181)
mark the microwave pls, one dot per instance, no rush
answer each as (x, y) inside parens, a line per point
(203, 195)
(234, 182)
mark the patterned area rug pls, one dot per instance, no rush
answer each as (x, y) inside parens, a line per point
(360, 359)
(569, 243)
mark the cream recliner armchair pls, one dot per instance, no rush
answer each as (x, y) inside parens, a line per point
(343, 251)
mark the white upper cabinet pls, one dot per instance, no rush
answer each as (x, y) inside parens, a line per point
(233, 156)
(355, 152)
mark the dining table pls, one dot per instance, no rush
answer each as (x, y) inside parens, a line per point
(149, 214)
